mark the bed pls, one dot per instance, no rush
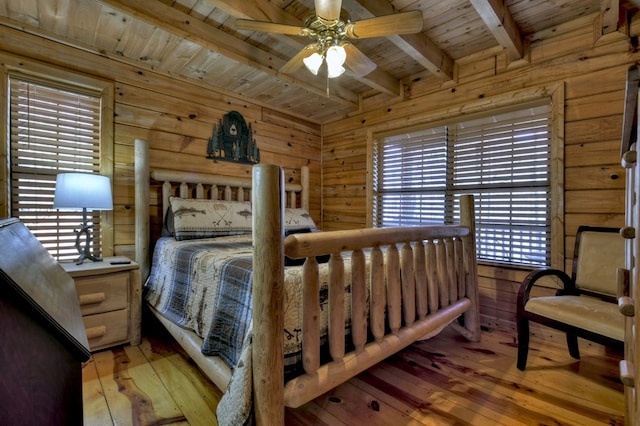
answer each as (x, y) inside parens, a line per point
(404, 284)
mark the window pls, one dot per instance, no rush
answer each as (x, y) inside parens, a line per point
(53, 128)
(503, 159)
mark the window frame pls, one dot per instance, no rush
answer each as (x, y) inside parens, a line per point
(553, 94)
(70, 80)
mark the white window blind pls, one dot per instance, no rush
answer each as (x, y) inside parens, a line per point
(504, 160)
(53, 129)
(412, 179)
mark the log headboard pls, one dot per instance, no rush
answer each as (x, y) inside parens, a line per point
(218, 187)
(193, 185)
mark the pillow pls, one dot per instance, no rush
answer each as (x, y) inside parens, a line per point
(167, 226)
(198, 218)
(298, 219)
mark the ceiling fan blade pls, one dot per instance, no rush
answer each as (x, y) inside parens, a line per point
(295, 63)
(358, 62)
(328, 9)
(270, 27)
(397, 23)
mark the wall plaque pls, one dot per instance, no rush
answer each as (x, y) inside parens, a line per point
(232, 140)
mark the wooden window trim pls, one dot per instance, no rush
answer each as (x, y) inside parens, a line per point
(65, 77)
(498, 103)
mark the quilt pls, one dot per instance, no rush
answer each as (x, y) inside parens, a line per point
(205, 286)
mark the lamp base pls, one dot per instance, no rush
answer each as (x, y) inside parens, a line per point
(85, 252)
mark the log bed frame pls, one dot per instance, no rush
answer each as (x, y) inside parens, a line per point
(431, 282)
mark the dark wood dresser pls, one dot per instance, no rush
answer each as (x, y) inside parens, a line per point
(42, 336)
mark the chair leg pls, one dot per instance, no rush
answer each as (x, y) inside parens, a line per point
(572, 344)
(523, 343)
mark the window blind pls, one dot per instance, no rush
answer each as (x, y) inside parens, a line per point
(411, 179)
(52, 130)
(503, 159)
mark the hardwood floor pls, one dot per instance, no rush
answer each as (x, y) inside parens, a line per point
(442, 381)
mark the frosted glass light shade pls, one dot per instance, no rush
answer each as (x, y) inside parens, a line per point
(313, 62)
(82, 190)
(336, 55)
(334, 71)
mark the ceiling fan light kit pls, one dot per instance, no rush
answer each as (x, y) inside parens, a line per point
(328, 27)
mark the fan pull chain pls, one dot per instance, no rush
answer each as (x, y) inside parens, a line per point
(328, 96)
(328, 87)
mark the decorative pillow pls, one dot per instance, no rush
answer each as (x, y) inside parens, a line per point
(298, 219)
(167, 226)
(198, 218)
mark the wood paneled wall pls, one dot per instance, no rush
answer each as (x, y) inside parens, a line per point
(177, 118)
(593, 75)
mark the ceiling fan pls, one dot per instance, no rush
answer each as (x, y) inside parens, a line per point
(330, 27)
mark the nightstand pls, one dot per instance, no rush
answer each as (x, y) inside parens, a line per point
(109, 293)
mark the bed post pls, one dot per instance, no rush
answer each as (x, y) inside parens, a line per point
(141, 190)
(268, 294)
(472, 316)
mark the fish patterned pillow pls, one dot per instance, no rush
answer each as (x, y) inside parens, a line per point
(298, 219)
(199, 218)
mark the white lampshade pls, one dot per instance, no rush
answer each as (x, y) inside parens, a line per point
(336, 55)
(334, 71)
(313, 62)
(83, 190)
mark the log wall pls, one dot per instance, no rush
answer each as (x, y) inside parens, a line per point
(592, 74)
(177, 118)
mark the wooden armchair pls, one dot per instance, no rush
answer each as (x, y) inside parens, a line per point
(586, 306)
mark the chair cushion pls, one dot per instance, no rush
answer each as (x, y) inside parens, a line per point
(601, 254)
(585, 312)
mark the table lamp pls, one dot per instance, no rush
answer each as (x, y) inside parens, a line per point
(83, 191)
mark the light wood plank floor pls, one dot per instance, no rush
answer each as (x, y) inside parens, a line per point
(442, 381)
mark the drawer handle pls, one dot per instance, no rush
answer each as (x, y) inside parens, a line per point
(91, 298)
(628, 232)
(94, 332)
(626, 373)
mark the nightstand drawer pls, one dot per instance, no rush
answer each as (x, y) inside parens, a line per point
(107, 328)
(109, 295)
(103, 293)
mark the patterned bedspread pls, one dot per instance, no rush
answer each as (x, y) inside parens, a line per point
(205, 286)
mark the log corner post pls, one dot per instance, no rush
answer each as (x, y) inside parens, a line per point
(268, 294)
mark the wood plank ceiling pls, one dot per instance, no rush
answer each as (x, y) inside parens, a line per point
(198, 40)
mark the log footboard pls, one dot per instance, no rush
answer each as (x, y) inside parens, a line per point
(420, 280)
(310, 385)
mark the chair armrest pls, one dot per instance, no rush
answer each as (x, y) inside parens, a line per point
(533, 276)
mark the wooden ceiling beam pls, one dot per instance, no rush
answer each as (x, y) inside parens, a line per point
(418, 46)
(609, 16)
(258, 10)
(500, 22)
(264, 10)
(156, 13)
